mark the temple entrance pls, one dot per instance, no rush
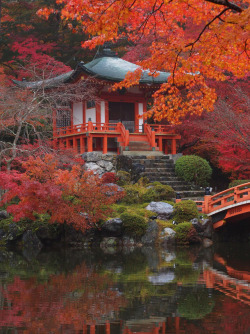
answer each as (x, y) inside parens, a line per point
(122, 112)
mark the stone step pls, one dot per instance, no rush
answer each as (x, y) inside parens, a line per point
(191, 193)
(158, 171)
(142, 153)
(154, 159)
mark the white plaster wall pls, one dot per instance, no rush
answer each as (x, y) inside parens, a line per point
(102, 111)
(77, 113)
(91, 113)
(140, 112)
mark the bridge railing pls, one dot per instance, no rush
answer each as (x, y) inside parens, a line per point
(226, 198)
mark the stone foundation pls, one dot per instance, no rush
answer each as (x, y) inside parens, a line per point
(100, 163)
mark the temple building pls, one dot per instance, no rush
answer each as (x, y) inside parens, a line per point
(115, 121)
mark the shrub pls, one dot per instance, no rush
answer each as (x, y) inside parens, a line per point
(158, 192)
(235, 183)
(132, 194)
(192, 168)
(121, 209)
(134, 225)
(109, 177)
(184, 211)
(143, 181)
(182, 232)
(123, 178)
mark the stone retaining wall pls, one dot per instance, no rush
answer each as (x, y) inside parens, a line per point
(100, 163)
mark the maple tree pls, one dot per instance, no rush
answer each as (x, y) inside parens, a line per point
(68, 195)
(26, 113)
(222, 136)
(217, 45)
(20, 25)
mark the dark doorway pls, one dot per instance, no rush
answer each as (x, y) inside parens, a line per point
(122, 112)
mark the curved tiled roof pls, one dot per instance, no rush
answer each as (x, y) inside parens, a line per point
(115, 69)
(109, 68)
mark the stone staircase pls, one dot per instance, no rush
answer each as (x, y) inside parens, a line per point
(161, 168)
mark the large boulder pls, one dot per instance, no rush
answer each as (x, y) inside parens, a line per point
(113, 226)
(197, 225)
(92, 166)
(207, 228)
(167, 236)
(107, 165)
(163, 210)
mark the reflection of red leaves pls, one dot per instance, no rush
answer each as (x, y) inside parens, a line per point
(83, 296)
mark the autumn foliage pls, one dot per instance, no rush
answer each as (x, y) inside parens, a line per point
(68, 195)
(193, 40)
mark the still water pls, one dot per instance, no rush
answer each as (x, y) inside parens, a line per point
(181, 290)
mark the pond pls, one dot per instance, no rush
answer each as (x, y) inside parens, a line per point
(146, 290)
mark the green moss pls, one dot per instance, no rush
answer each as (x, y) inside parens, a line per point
(185, 211)
(182, 230)
(124, 178)
(195, 169)
(158, 192)
(134, 225)
(164, 224)
(143, 181)
(132, 194)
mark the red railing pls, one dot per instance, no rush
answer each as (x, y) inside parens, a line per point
(158, 128)
(224, 199)
(150, 135)
(124, 134)
(85, 127)
(229, 197)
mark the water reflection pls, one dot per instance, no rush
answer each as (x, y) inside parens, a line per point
(145, 291)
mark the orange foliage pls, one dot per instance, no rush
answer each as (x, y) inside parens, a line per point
(192, 39)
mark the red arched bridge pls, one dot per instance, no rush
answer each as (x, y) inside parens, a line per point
(228, 206)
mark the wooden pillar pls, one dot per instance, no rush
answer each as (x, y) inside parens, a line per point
(90, 143)
(98, 115)
(164, 328)
(177, 325)
(173, 146)
(105, 144)
(84, 112)
(92, 329)
(90, 126)
(136, 117)
(107, 325)
(84, 329)
(160, 144)
(153, 139)
(206, 203)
